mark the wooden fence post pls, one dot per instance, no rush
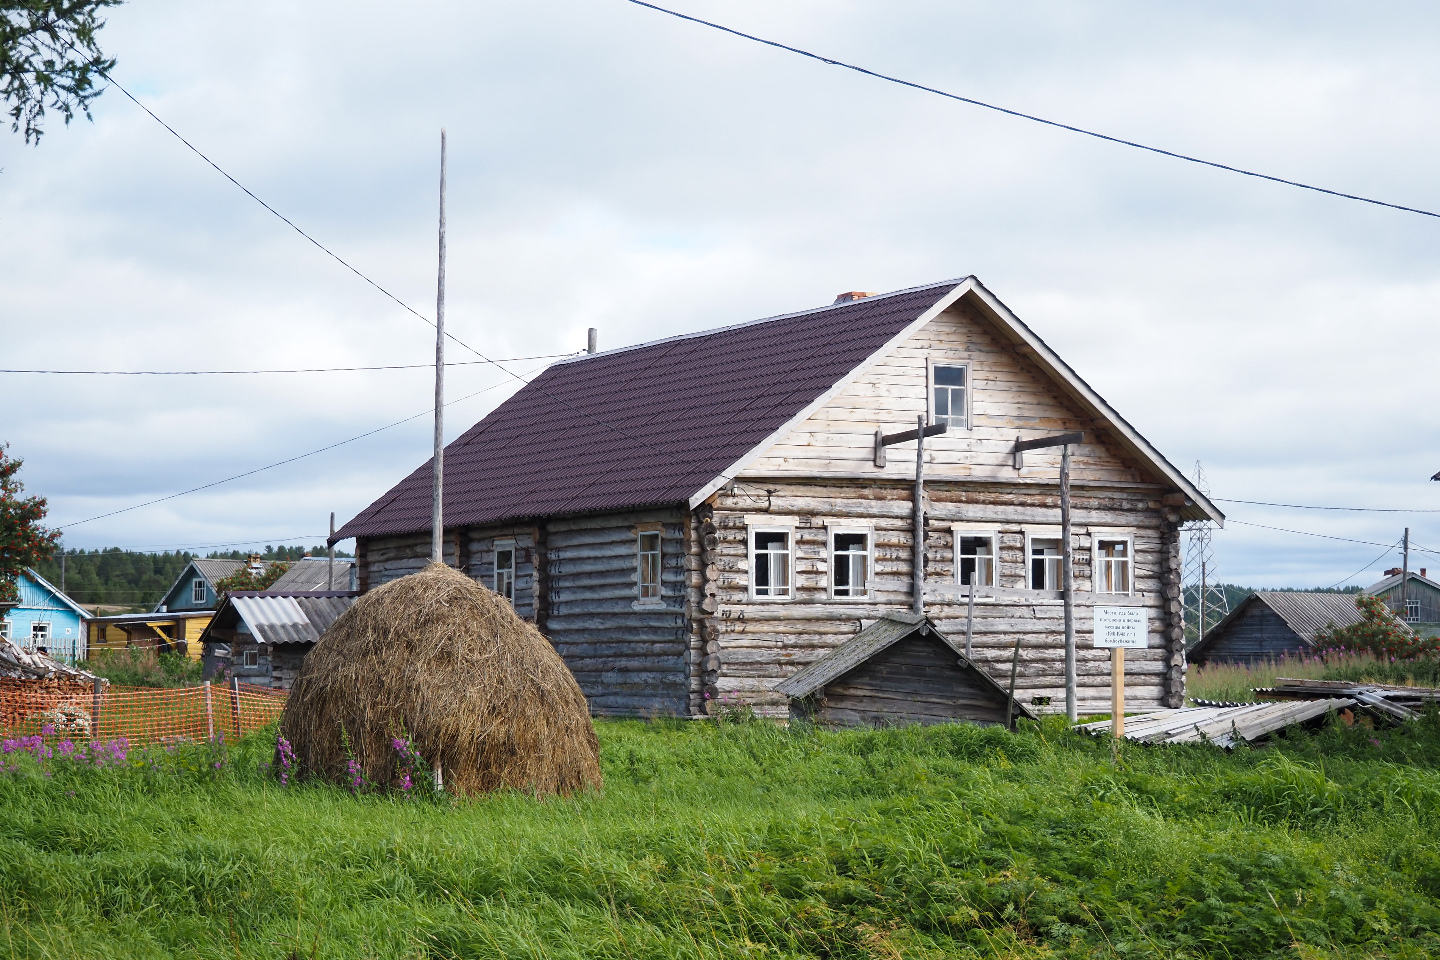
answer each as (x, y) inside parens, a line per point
(235, 703)
(209, 713)
(98, 691)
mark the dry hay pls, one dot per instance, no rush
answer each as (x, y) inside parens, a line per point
(438, 657)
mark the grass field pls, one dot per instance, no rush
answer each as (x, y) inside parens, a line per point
(749, 840)
(1230, 682)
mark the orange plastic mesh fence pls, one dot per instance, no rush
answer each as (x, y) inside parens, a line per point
(140, 714)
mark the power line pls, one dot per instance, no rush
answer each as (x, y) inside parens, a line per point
(281, 463)
(1307, 533)
(1305, 506)
(1031, 117)
(1385, 553)
(200, 373)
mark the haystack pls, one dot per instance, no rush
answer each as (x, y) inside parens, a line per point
(439, 658)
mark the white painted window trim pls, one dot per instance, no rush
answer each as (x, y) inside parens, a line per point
(4, 629)
(247, 656)
(496, 548)
(770, 527)
(841, 526)
(41, 630)
(204, 590)
(641, 531)
(930, 364)
(1041, 533)
(957, 531)
(1096, 536)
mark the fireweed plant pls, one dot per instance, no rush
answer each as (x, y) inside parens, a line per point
(410, 766)
(354, 775)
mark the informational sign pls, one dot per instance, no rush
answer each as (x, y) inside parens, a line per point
(1124, 627)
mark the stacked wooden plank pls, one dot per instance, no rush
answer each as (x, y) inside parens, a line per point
(1221, 726)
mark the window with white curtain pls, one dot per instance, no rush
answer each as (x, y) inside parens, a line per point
(849, 563)
(770, 568)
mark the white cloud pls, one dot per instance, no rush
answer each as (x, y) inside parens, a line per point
(613, 167)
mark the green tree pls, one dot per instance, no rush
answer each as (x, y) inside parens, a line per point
(24, 542)
(49, 59)
(1380, 633)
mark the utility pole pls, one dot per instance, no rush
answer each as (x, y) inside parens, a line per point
(1405, 579)
(1064, 441)
(883, 440)
(330, 561)
(437, 469)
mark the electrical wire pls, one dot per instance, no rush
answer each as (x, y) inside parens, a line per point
(1031, 117)
(1307, 533)
(199, 373)
(272, 466)
(1305, 506)
(1367, 566)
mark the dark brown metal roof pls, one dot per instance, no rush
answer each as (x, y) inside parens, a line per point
(646, 425)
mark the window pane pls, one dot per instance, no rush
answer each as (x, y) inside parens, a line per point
(771, 541)
(942, 403)
(949, 376)
(849, 541)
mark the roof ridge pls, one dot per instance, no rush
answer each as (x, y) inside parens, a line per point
(750, 323)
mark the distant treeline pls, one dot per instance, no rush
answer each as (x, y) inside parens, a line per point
(127, 578)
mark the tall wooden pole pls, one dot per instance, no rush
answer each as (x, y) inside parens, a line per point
(1067, 584)
(330, 556)
(1405, 579)
(917, 574)
(1117, 692)
(437, 524)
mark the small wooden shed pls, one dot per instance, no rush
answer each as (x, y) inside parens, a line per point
(900, 669)
(1271, 624)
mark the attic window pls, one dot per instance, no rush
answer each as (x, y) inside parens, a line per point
(1412, 611)
(197, 590)
(949, 390)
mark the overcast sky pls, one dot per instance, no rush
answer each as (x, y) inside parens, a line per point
(618, 168)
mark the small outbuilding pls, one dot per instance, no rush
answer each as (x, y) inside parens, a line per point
(263, 637)
(900, 669)
(1270, 624)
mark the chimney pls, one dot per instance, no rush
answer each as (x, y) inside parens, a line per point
(851, 296)
(1422, 571)
(254, 564)
(592, 342)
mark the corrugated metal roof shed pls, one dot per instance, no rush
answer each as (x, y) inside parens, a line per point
(289, 618)
(311, 573)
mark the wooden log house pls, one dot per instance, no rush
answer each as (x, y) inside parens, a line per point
(693, 520)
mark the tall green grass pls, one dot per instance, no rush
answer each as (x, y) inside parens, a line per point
(1236, 682)
(751, 840)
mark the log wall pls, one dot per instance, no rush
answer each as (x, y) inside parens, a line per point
(751, 644)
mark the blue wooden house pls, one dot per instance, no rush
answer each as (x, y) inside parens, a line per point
(194, 589)
(46, 620)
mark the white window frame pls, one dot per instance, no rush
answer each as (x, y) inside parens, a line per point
(986, 533)
(250, 658)
(831, 530)
(502, 546)
(1030, 537)
(1412, 604)
(4, 629)
(204, 594)
(658, 532)
(1097, 561)
(750, 536)
(930, 364)
(40, 630)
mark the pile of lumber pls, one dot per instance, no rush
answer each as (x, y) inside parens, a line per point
(1380, 701)
(35, 688)
(1221, 726)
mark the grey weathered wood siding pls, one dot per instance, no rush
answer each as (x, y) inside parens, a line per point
(1256, 633)
(1428, 597)
(630, 658)
(750, 644)
(917, 680)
